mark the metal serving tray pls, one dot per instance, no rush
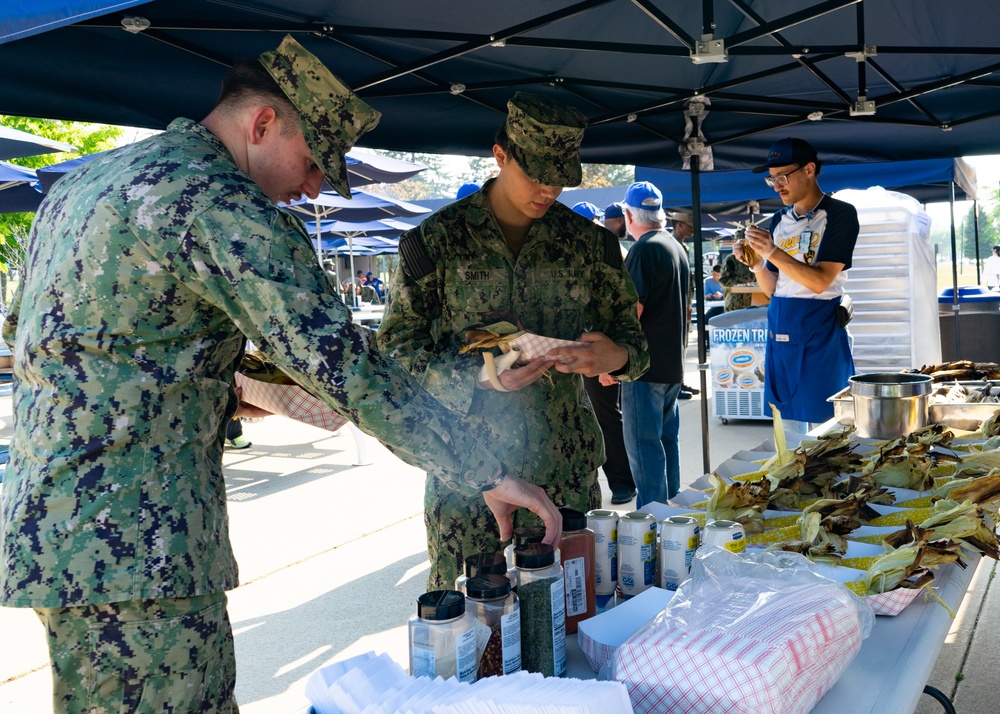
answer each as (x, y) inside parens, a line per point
(960, 415)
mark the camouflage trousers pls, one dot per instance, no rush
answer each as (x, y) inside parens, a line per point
(168, 655)
(459, 526)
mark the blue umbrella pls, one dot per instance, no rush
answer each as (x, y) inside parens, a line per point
(361, 207)
(384, 227)
(18, 189)
(15, 143)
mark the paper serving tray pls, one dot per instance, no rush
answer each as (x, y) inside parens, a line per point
(289, 400)
(600, 636)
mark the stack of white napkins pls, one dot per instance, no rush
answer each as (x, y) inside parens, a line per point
(370, 684)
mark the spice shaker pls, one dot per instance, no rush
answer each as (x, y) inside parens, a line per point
(496, 617)
(524, 535)
(538, 579)
(481, 564)
(442, 637)
(577, 546)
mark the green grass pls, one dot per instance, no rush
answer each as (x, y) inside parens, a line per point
(968, 277)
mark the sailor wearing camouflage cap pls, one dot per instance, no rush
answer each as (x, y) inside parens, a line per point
(147, 270)
(512, 247)
(332, 117)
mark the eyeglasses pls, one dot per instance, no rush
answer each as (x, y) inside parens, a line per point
(780, 179)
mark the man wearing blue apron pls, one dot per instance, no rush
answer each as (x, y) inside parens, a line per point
(802, 263)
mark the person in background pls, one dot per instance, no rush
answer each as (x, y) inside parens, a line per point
(605, 396)
(713, 288)
(713, 291)
(375, 283)
(145, 274)
(735, 273)
(801, 262)
(588, 210)
(234, 435)
(991, 269)
(682, 228)
(659, 268)
(512, 247)
(466, 188)
(614, 221)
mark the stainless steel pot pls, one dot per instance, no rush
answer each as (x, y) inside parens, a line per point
(888, 405)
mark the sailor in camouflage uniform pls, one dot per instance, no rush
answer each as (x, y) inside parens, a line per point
(511, 247)
(145, 269)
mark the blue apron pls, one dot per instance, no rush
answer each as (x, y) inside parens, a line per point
(807, 358)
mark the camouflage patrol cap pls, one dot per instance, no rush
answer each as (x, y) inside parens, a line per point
(333, 117)
(544, 139)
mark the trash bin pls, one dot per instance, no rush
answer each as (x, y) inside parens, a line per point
(978, 322)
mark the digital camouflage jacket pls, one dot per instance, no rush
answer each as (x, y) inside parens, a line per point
(144, 270)
(568, 278)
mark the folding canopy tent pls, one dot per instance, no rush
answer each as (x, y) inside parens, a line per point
(18, 189)
(363, 169)
(15, 144)
(706, 84)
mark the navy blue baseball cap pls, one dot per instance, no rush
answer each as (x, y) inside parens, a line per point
(643, 194)
(789, 151)
(614, 211)
(587, 210)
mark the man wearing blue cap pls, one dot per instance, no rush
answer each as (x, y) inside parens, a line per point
(660, 272)
(801, 262)
(588, 210)
(614, 221)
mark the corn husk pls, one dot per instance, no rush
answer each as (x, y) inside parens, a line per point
(902, 465)
(741, 502)
(825, 553)
(976, 463)
(930, 435)
(495, 329)
(865, 491)
(991, 425)
(892, 569)
(815, 541)
(981, 491)
(256, 365)
(960, 523)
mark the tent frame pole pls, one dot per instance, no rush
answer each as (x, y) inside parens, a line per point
(699, 260)
(955, 305)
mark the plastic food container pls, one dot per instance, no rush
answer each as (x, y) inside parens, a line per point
(888, 405)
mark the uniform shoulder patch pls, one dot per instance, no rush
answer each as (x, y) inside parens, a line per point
(612, 251)
(413, 256)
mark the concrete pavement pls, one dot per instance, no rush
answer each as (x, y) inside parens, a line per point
(332, 560)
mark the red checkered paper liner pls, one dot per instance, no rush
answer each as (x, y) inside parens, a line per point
(532, 345)
(289, 400)
(893, 602)
(597, 653)
(749, 650)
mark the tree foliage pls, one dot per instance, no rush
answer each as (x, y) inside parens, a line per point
(87, 138)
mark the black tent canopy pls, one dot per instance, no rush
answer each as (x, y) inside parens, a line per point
(708, 84)
(863, 79)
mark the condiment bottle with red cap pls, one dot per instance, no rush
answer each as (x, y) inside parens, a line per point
(577, 547)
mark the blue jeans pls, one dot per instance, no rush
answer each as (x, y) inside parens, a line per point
(650, 422)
